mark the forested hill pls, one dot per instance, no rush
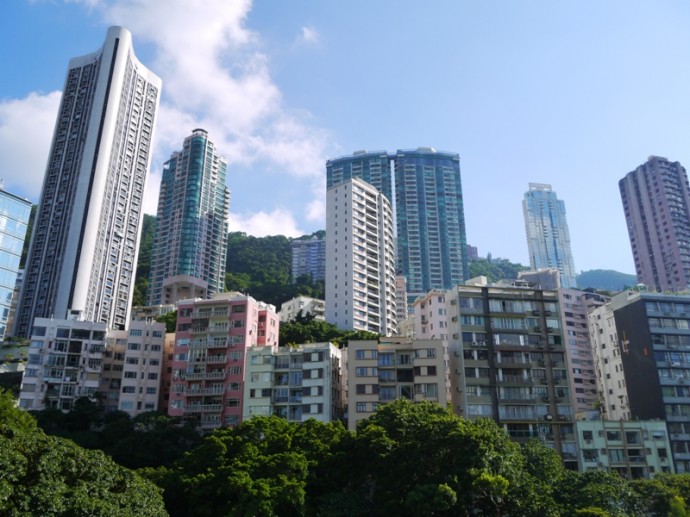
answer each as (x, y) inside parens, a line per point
(605, 279)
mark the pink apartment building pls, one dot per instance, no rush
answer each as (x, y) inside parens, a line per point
(210, 353)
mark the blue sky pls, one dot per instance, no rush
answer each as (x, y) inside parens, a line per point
(572, 93)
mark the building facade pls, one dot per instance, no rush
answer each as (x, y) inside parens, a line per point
(548, 237)
(209, 364)
(191, 240)
(506, 359)
(656, 202)
(360, 259)
(575, 308)
(69, 359)
(304, 304)
(641, 344)
(309, 258)
(295, 383)
(373, 167)
(432, 241)
(14, 218)
(86, 233)
(634, 449)
(394, 368)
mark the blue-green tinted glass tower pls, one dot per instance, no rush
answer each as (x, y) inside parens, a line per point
(430, 220)
(191, 232)
(548, 238)
(14, 217)
(373, 167)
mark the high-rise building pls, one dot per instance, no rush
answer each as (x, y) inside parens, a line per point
(373, 167)
(430, 220)
(656, 202)
(309, 257)
(548, 238)
(360, 259)
(506, 358)
(191, 240)
(14, 217)
(576, 305)
(86, 233)
(641, 346)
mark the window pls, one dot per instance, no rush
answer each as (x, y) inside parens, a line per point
(128, 389)
(361, 407)
(130, 375)
(153, 376)
(133, 346)
(135, 332)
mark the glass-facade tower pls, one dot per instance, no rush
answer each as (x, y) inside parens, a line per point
(430, 220)
(548, 237)
(191, 234)
(86, 234)
(14, 218)
(373, 167)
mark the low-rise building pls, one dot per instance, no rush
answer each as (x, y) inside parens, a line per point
(305, 305)
(69, 359)
(295, 383)
(394, 368)
(633, 448)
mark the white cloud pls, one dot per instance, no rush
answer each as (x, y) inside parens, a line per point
(26, 130)
(215, 75)
(309, 35)
(277, 222)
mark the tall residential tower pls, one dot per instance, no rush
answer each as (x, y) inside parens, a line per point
(430, 219)
(360, 259)
(657, 210)
(191, 238)
(548, 238)
(86, 234)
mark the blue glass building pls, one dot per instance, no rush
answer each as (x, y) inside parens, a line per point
(373, 167)
(548, 238)
(430, 219)
(191, 233)
(14, 217)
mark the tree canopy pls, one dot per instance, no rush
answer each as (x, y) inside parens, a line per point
(50, 476)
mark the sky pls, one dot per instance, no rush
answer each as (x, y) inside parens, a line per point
(571, 93)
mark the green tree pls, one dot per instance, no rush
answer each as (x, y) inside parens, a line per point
(170, 320)
(45, 475)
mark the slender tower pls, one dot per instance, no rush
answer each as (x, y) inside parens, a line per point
(548, 238)
(86, 234)
(190, 245)
(656, 201)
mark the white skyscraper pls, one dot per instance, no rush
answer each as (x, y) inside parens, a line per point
(86, 234)
(360, 259)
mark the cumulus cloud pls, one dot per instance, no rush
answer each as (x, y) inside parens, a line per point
(309, 35)
(277, 222)
(216, 76)
(26, 130)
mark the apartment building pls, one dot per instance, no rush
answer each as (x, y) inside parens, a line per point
(634, 449)
(306, 305)
(295, 383)
(394, 368)
(641, 346)
(209, 364)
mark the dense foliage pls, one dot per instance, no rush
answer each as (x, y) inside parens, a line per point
(306, 329)
(49, 476)
(261, 267)
(495, 269)
(605, 279)
(406, 459)
(148, 440)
